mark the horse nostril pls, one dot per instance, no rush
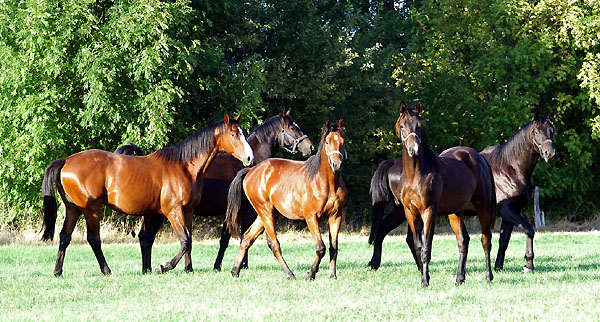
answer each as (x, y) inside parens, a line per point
(312, 147)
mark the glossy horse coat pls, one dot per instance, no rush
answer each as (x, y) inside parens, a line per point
(280, 131)
(298, 190)
(458, 179)
(167, 182)
(512, 165)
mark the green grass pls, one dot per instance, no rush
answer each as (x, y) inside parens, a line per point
(566, 285)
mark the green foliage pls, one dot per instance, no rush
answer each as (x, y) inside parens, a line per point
(481, 66)
(76, 75)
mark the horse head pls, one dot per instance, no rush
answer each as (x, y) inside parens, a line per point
(542, 135)
(292, 138)
(232, 140)
(409, 128)
(335, 143)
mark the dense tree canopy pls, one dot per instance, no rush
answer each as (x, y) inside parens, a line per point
(76, 75)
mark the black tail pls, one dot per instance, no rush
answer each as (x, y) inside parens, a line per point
(380, 190)
(490, 187)
(50, 206)
(129, 149)
(235, 197)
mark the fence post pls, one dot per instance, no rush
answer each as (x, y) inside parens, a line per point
(540, 220)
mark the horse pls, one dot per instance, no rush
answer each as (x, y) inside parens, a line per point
(280, 131)
(512, 165)
(457, 180)
(168, 182)
(299, 190)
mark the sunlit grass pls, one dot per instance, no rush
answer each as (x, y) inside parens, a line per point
(566, 285)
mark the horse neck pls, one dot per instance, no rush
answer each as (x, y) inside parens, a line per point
(426, 161)
(523, 158)
(262, 150)
(197, 167)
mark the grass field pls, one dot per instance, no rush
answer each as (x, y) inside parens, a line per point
(566, 285)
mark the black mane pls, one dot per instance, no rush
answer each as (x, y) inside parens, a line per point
(265, 131)
(189, 149)
(509, 151)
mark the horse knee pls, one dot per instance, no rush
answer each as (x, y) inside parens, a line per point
(65, 240)
(93, 240)
(321, 250)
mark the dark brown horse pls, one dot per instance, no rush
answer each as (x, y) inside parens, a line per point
(299, 190)
(280, 131)
(458, 179)
(512, 165)
(168, 182)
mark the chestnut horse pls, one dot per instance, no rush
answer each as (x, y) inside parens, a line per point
(168, 182)
(280, 131)
(512, 164)
(458, 179)
(298, 190)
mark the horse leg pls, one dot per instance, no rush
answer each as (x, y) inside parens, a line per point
(92, 219)
(462, 239)
(150, 226)
(505, 232)
(415, 223)
(71, 216)
(247, 240)
(389, 222)
(275, 247)
(182, 224)
(428, 216)
(313, 226)
(334, 229)
(223, 244)
(248, 218)
(514, 217)
(410, 241)
(486, 241)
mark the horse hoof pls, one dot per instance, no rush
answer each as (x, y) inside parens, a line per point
(291, 277)
(373, 266)
(460, 282)
(498, 269)
(425, 284)
(106, 272)
(527, 270)
(57, 273)
(189, 270)
(160, 269)
(235, 273)
(333, 277)
(217, 269)
(309, 276)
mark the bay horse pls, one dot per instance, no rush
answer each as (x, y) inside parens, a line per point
(299, 190)
(457, 180)
(168, 182)
(280, 131)
(512, 164)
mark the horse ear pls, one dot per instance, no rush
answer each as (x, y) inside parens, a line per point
(237, 118)
(402, 107)
(327, 125)
(226, 119)
(419, 107)
(284, 113)
(536, 114)
(342, 124)
(551, 115)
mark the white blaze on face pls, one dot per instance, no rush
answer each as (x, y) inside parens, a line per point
(248, 154)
